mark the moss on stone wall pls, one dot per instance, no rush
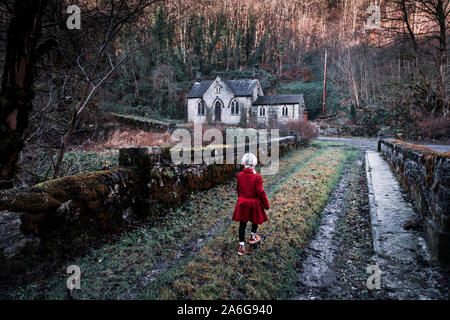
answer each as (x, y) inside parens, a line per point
(419, 148)
(51, 194)
(57, 214)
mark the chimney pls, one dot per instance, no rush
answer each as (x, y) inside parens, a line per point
(255, 72)
(305, 115)
(198, 78)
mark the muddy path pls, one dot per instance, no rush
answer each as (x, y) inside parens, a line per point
(334, 266)
(317, 279)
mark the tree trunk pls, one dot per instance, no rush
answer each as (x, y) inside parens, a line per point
(441, 15)
(411, 34)
(64, 143)
(17, 83)
(136, 84)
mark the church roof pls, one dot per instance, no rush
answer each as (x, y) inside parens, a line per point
(243, 87)
(279, 99)
(240, 88)
(199, 89)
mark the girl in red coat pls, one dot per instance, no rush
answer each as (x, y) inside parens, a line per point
(252, 201)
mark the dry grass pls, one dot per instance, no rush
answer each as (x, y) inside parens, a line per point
(122, 138)
(267, 272)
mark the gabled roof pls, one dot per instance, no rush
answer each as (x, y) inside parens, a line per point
(279, 99)
(199, 89)
(240, 88)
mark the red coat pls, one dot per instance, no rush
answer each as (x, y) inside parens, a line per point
(252, 199)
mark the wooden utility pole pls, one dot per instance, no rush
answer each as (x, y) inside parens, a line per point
(324, 84)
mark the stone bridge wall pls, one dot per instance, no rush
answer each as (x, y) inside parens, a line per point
(143, 124)
(426, 176)
(63, 213)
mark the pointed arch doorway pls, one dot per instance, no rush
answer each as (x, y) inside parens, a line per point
(217, 111)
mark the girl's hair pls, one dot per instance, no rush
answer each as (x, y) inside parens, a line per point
(249, 160)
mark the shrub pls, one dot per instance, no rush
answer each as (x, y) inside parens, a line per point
(435, 127)
(305, 128)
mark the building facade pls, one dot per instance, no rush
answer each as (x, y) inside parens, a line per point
(239, 101)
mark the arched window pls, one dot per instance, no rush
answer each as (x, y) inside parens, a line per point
(262, 111)
(285, 111)
(201, 106)
(234, 106)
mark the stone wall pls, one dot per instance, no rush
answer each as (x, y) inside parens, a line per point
(63, 213)
(165, 183)
(58, 212)
(143, 124)
(426, 176)
(336, 130)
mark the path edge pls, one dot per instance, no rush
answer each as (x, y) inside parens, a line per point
(372, 203)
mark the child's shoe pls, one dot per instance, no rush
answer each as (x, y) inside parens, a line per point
(254, 238)
(241, 250)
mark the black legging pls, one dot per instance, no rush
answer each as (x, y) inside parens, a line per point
(242, 226)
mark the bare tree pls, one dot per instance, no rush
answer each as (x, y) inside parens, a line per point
(424, 23)
(438, 11)
(99, 61)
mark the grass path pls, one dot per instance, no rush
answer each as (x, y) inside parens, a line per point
(269, 271)
(191, 252)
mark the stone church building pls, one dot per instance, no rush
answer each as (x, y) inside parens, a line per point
(239, 101)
